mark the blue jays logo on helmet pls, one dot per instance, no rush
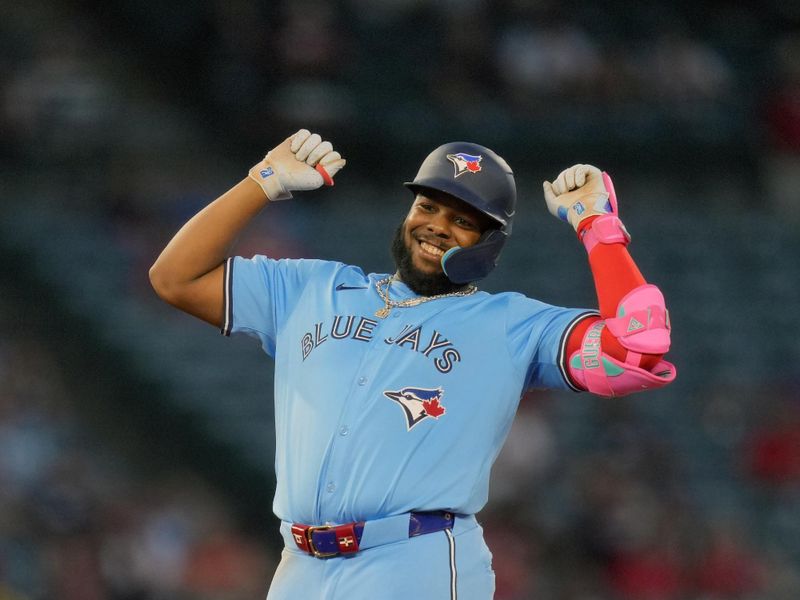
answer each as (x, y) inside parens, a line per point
(465, 163)
(418, 404)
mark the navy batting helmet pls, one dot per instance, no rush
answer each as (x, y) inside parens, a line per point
(476, 175)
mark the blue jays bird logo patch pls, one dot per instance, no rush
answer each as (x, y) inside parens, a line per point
(465, 163)
(418, 404)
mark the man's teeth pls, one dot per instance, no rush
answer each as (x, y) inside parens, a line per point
(431, 249)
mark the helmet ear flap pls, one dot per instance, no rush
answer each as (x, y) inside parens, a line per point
(464, 265)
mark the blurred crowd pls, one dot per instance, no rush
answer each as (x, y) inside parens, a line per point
(618, 518)
(81, 520)
(139, 116)
(83, 81)
(128, 106)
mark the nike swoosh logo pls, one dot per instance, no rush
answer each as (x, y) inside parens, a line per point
(342, 286)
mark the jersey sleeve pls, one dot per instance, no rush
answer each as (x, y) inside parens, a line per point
(537, 335)
(260, 292)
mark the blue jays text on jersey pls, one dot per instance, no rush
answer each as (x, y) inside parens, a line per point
(380, 417)
(362, 328)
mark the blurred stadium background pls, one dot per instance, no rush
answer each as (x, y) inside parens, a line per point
(136, 444)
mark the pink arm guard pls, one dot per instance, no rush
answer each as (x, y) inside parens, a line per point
(606, 229)
(642, 327)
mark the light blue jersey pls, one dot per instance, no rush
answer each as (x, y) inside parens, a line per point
(378, 417)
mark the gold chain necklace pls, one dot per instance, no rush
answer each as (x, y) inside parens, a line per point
(390, 304)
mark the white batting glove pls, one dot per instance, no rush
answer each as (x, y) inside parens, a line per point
(577, 193)
(301, 162)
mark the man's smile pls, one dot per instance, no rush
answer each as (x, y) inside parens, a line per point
(430, 249)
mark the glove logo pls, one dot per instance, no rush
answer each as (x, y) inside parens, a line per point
(465, 163)
(418, 404)
(266, 172)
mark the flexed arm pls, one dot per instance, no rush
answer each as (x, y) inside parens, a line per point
(620, 352)
(188, 273)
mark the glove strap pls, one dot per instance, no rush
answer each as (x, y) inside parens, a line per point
(265, 175)
(606, 229)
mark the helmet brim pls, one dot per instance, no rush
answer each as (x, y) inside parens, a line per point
(459, 192)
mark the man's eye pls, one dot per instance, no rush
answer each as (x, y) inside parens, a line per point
(464, 223)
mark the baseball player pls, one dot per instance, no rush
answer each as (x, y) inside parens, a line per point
(395, 391)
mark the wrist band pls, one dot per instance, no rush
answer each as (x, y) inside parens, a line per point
(607, 229)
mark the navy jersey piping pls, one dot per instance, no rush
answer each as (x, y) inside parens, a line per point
(227, 297)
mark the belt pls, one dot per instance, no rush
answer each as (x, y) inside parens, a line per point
(325, 541)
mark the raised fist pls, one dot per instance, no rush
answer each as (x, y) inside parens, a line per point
(301, 162)
(578, 193)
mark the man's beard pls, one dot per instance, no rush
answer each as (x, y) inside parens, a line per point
(424, 284)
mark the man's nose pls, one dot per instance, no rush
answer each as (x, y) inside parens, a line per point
(439, 226)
